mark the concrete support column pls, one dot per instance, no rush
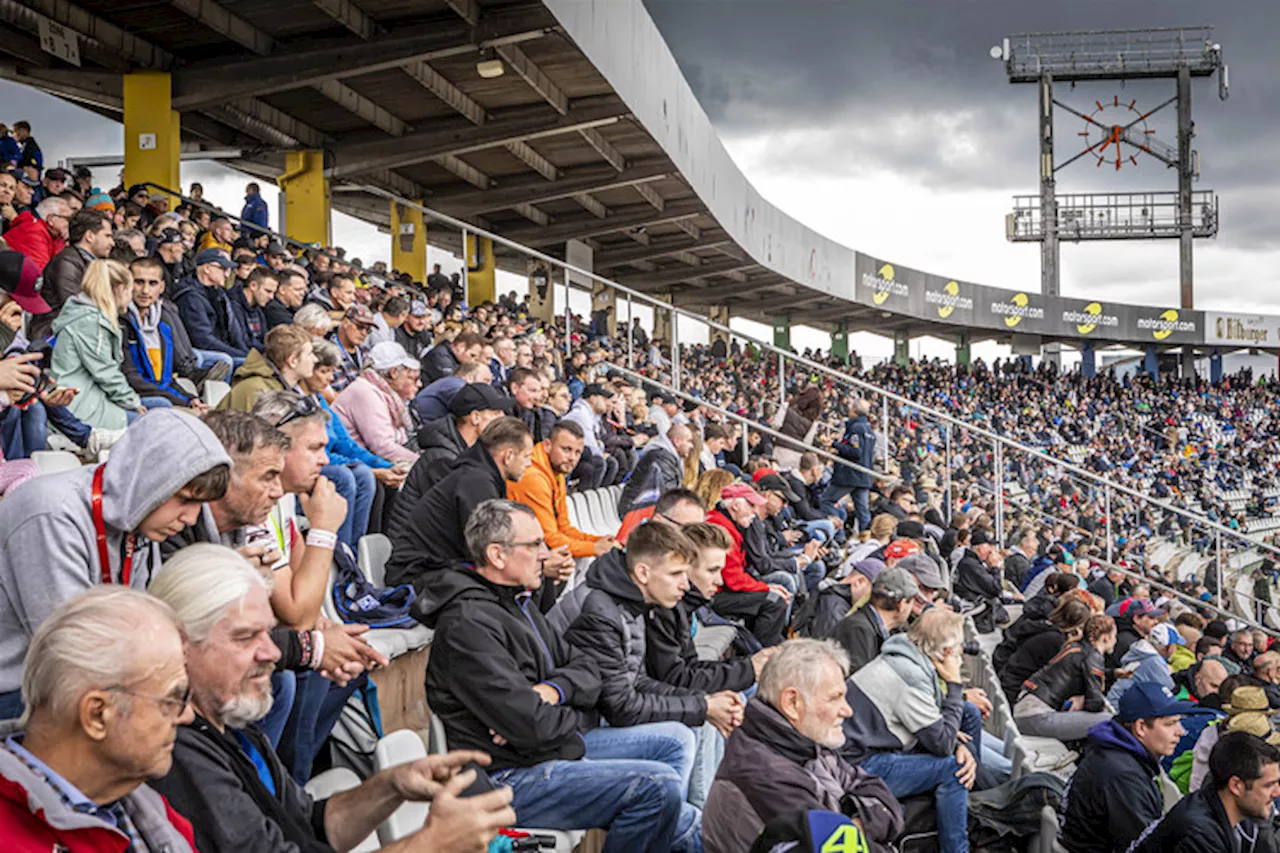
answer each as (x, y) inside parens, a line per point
(1151, 362)
(840, 343)
(662, 320)
(963, 354)
(782, 332)
(720, 314)
(482, 273)
(1215, 366)
(542, 289)
(305, 194)
(1187, 362)
(901, 349)
(1088, 361)
(409, 242)
(152, 132)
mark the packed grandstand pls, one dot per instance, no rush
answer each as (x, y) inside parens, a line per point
(256, 496)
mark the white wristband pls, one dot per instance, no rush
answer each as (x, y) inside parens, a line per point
(317, 649)
(322, 539)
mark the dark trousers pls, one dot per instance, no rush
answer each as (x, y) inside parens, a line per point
(316, 707)
(764, 614)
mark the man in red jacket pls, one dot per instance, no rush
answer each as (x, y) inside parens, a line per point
(106, 688)
(41, 233)
(762, 606)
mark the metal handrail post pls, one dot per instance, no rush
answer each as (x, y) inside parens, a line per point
(999, 463)
(1218, 562)
(745, 449)
(466, 270)
(884, 427)
(1107, 496)
(675, 350)
(782, 380)
(950, 502)
(631, 341)
(568, 322)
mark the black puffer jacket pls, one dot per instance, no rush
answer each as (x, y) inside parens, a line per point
(1077, 670)
(432, 539)
(761, 556)
(611, 629)
(441, 445)
(438, 362)
(659, 470)
(1033, 646)
(975, 581)
(491, 646)
(1126, 636)
(670, 654)
(861, 635)
(1199, 824)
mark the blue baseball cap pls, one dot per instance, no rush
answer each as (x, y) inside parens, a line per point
(1148, 699)
(214, 256)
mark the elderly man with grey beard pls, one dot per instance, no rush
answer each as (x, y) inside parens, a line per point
(227, 779)
(783, 757)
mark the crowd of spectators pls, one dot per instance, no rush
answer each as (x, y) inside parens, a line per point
(171, 681)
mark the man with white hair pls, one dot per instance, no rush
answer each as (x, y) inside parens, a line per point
(105, 690)
(226, 777)
(40, 232)
(782, 758)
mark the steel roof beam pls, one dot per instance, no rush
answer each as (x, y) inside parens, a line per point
(535, 190)
(586, 225)
(535, 77)
(669, 278)
(661, 248)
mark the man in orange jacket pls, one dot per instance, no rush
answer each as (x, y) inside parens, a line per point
(543, 489)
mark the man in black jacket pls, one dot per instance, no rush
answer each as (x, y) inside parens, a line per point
(226, 778)
(1244, 783)
(1115, 793)
(443, 359)
(431, 539)
(864, 631)
(977, 581)
(502, 680)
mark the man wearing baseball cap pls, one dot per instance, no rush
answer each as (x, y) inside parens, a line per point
(206, 310)
(1148, 661)
(1115, 792)
(1135, 617)
(597, 467)
(744, 594)
(350, 336)
(412, 334)
(978, 578)
(864, 631)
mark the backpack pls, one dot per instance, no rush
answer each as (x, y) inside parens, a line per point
(1008, 816)
(357, 600)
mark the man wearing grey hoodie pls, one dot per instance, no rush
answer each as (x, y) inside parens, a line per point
(56, 530)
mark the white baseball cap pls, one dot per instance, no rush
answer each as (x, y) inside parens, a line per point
(389, 354)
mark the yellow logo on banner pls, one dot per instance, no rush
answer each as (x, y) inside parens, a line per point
(846, 839)
(1019, 299)
(1095, 309)
(952, 289)
(1170, 317)
(886, 275)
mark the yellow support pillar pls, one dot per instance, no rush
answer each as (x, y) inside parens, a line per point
(482, 273)
(409, 241)
(306, 198)
(152, 131)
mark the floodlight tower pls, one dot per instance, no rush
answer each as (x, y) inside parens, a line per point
(1115, 134)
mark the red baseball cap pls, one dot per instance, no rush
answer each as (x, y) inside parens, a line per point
(20, 278)
(742, 490)
(901, 548)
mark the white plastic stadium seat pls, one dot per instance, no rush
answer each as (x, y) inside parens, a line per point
(336, 781)
(374, 551)
(400, 748)
(55, 461)
(214, 391)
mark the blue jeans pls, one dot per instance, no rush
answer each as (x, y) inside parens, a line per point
(707, 761)
(206, 357)
(316, 708)
(284, 688)
(631, 782)
(24, 432)
(822, 529)
(149, 403)
(908, 774)
(355, 482)
(993, 768)
(11, 706)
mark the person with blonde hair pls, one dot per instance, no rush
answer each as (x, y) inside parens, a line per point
(86, 355)
(710, 484)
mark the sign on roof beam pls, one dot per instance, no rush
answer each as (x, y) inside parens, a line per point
(111, 37)
(350, 16)
(435, 83)
(525, 154)
(650, 195)
(535, 77)
(689, 228)
(468, 10)
(604, 148)
(464, 170)
(532, 214)
(591, 204)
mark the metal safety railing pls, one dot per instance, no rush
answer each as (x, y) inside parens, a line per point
(1115, 496)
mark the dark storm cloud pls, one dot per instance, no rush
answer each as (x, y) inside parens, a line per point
(908, 88)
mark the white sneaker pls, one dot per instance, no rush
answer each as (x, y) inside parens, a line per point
(102, 439)
(58, 441)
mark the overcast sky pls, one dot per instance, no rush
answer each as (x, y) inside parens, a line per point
(887, 126)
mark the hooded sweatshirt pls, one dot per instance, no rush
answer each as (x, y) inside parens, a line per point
(1113, 795)
(51, 527)
(1151, 667)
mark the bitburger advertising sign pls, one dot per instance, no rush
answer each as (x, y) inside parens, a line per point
(1241, 330)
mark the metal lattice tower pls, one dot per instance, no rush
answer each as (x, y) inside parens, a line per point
(1177, 53)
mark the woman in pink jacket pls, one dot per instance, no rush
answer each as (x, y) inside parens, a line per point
(375, 407)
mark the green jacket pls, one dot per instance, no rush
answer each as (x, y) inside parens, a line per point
(254, 377)
(86, 356)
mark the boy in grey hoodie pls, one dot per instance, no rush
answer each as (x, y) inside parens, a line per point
(158, 475)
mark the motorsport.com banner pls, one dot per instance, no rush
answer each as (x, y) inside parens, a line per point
(902, 290)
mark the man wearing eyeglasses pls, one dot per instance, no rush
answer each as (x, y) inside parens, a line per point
(40, 232)
(106, 689)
